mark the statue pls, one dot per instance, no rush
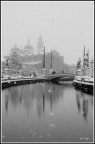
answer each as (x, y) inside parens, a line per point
(79, 63)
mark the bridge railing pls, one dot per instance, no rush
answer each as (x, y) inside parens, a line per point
(61, 74)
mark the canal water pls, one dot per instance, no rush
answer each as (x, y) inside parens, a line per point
(46, 112)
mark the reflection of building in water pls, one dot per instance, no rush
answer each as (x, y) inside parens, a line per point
(54, 93)
(85, 108)
(19, 95)
(82, 103)
(28, 97)
(38, 93)
(6, 103)
(7, 98)
(78, 102)
(51, 102)
(43, 104)
(39, 107)
(47, 94)
(13, 97)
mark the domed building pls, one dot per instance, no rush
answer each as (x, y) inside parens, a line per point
(28, 49)
(40, 45)
(16, 50)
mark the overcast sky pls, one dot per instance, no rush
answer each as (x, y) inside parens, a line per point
(64, 26)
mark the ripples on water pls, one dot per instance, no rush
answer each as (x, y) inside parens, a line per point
(46, 112)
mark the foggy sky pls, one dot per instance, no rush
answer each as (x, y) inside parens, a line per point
(64, 26)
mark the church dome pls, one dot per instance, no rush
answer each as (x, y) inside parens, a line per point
(15, 49)
(28, 49)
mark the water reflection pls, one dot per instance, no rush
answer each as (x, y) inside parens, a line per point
(6, 103)
(25, 95)
(53, 112)
(13, 96)
(43, 93)
(85, 108)
(83, 101)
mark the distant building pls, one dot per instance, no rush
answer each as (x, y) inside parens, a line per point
(69, 68)
(28, 61)
(40, 45)
(15, 49)
(28, 49)
(57, 62)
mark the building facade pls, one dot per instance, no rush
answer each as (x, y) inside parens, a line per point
(26, 60)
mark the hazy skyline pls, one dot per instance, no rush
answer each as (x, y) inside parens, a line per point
(64, 26)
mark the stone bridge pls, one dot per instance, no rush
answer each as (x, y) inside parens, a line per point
(60, 77)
